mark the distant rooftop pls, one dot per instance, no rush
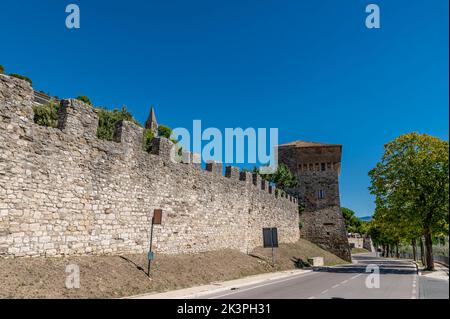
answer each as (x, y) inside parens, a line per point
(307, 144)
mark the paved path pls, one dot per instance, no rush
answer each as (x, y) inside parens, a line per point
(398, 280)
(434, 285)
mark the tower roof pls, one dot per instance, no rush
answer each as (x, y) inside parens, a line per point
(151, 122)
(302, 144)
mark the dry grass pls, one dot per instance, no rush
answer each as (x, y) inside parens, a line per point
(359, 250)
(120, 276)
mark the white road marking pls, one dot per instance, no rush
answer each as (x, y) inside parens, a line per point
(356, 276)
(344, 282)
(262, 285)
(335, 286)
(312, 297)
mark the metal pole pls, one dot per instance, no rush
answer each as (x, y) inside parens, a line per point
(150, 249)
(272, 244)
(273, 257)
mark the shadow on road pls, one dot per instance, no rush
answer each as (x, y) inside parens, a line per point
(362, 270)
(386, 266)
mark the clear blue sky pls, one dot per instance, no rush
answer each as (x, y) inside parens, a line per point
(310, 68)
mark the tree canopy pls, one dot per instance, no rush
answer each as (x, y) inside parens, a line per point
(352, 223)
(411, 184)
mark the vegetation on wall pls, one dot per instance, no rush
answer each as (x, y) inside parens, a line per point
(283, 178)
(2, 69)
(164, 131)
(108, 119)
(22, 77)
(147, 141)
(85, 99)
(46, 115)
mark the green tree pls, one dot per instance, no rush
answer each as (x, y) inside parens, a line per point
(352, 223)
(2, 69)
(85, 99)
(283, 178)
(411, 184)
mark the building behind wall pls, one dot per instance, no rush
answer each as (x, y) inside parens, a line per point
(317, 167)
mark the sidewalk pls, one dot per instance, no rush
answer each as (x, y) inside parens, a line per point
(434, 284)
(195, 292)
(440, 272)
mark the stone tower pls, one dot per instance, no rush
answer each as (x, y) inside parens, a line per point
(151, 122)
(317, 167)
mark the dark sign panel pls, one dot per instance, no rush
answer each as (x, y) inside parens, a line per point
(270, 237)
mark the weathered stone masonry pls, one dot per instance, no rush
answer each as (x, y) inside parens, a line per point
(317, 167)
(65, 192)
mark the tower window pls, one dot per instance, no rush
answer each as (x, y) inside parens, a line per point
(323, 166)
(321, 194)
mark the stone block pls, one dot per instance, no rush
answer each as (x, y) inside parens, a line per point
(316, 261)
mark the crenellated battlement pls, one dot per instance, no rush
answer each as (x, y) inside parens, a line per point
(64, 191)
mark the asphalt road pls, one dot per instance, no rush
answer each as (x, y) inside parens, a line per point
(398, 279)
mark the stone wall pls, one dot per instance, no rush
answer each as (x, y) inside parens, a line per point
(361, 242)
(356, 242)
(65, 192)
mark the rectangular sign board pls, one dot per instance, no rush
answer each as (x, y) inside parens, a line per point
(270, 237)
(157, 216)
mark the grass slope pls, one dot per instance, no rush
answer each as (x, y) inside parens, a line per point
(120, 276)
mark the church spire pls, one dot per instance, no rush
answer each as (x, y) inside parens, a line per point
(151, 122)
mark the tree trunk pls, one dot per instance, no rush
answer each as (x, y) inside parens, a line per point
(429, 250)
(414, 249)
(397, 254)
(387, 250)
(422, 252)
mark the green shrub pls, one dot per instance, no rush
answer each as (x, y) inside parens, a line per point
(107, 121)
(164, 131)
(46, 115)
(2, 69)
(148, 138)
(85, 99)
(22, 77)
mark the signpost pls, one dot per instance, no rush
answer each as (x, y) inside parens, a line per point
(270, 240)
(156, 220)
